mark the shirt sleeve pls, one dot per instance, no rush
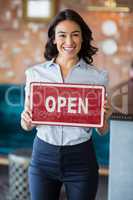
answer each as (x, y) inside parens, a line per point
(105, 79)
(28, 75)
(105, 82)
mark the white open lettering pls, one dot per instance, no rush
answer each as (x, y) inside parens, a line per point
(73, 104)
(83, 105)
(50, 100)
(61, 103)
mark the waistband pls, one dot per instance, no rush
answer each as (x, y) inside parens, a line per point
(65, 147)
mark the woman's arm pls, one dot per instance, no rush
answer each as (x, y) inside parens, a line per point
(26, 117)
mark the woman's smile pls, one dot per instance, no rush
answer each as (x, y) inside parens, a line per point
(69, 49)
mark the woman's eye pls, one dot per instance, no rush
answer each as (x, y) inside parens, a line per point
(62, 35)
(76, 35)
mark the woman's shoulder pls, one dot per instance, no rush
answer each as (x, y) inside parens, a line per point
(37, 67)
(95, 70)
(100, 75)
(100, 72)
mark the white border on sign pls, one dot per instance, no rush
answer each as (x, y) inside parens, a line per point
(74, 86)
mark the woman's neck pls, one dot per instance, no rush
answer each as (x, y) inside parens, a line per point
(66, 63)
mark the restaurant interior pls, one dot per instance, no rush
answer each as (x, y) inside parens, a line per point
(23, 35)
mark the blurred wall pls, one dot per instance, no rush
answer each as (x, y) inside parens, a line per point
(22, 43)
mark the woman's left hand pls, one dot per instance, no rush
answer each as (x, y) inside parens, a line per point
(107, 109)
(107, 114)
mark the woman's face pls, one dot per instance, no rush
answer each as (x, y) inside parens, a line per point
(68, 39)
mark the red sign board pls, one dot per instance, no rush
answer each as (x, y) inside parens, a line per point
(67, 104)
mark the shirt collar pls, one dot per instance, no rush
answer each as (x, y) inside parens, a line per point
(51, 63)
(81, 63)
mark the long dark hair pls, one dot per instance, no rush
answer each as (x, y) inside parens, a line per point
(87, 50)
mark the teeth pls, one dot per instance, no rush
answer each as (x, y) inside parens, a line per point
(68, 48)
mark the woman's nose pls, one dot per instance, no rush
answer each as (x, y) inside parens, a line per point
(69, 40)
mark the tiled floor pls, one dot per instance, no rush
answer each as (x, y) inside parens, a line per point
(101, 195)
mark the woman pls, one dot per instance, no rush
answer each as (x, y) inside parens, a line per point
(62, 154)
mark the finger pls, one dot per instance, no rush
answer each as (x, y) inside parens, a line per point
(26, 116)
(29, 111)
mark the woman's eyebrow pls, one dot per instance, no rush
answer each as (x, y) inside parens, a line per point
(67, 32)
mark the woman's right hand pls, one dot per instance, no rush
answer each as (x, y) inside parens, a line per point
(26, 119)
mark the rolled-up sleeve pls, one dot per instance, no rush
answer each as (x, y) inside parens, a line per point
(105, 81)
(28, 74)
(105, 78)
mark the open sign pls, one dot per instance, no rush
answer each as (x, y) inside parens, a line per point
(67, 104)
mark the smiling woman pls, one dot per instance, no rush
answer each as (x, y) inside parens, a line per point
(62, 154)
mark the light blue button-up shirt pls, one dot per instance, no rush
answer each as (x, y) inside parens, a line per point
(81, 73)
